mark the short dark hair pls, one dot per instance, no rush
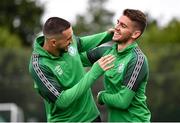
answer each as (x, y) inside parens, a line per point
(137, 16)
(55, 26)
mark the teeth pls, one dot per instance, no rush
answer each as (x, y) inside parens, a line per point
(117, 33)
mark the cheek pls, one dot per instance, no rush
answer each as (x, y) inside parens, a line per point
(61, 45)
(66, 44)
(126, 33)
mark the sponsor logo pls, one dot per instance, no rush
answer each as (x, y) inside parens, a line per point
(120, 68)
(58, 70)
(72, 51)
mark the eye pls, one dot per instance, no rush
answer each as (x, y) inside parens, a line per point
(123, 25)
(69, 39)
(117, 21)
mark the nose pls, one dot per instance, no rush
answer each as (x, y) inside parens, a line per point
(117, 28)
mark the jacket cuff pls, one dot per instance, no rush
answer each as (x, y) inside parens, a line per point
(96, 71)
(99, 98)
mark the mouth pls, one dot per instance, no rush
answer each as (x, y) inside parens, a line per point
(117, 33)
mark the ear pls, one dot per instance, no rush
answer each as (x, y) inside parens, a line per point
(136, 34)
(53, 42)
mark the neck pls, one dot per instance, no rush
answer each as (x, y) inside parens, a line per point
(123, 45)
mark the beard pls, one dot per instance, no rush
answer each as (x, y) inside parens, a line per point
(121, 41)
(122, 38)
(62, 50)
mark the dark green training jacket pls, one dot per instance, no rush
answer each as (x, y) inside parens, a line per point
(62, 81)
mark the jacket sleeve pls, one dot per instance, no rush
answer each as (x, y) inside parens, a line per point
(90, 42)
(67, 97)
(91, 56)
(137, 72)
(49, 88)
(121, 100)
(45, 82)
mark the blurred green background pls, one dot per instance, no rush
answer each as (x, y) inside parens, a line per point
(20, 21)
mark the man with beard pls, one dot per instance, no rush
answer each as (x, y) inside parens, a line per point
(59, 75)
(125, 83)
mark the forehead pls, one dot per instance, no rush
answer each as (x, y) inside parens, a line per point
(68, 32)
(125, 20)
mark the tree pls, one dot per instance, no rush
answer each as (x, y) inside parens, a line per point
(17, 85)
(96, 19)
(161, 45)
(9, 40)
(19, 21)
(21, 17)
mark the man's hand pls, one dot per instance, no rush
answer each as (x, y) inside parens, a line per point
(105, 62)
(99, 100)
(111, 30)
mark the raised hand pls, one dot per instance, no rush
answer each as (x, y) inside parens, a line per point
(111, 30)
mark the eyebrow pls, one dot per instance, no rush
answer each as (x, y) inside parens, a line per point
(123, 24)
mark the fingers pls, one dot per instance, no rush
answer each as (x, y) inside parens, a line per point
(106, 58)
(108, 67)
(111, 30)
(106, 62)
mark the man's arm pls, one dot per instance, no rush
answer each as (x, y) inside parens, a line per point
(45, 82)
(89, 42)
(50, 89)
(136, 73)
(91, 56)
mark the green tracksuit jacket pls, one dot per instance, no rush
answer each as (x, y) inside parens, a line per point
(125, 84)
(62, 81)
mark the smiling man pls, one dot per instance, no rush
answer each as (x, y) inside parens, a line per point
(125, 83)
(58, 72)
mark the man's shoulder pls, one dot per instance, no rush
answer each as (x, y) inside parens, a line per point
(137, 55)
(37, 60)
(138, 52)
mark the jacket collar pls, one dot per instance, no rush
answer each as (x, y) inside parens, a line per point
(125, 50)
(40, 50)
